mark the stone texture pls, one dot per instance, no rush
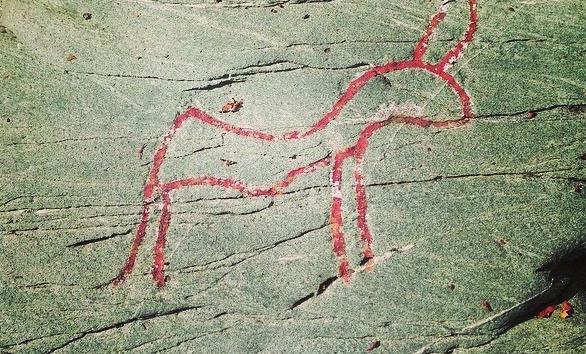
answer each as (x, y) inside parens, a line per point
(85, 102)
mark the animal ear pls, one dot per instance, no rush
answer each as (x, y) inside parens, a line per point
(453, 54)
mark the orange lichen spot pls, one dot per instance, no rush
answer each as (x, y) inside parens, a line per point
(567, 310)
(546, 312)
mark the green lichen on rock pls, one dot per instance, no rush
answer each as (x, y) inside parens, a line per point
(460, 217)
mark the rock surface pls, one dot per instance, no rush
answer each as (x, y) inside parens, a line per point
(476, 228)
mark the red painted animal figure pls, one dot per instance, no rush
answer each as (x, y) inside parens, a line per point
(155, 187)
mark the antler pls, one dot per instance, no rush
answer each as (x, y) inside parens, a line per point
(456, 52)
(436, 19)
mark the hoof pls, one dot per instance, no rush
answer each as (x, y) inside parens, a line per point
(119, 280)
(344, 272)
(368, 263)
(160, 278)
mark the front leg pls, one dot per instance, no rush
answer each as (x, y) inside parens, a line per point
(361, 208)
(338, 242)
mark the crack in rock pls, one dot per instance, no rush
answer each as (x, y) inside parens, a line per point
(242, 4)
(99, 239)
(143, 317)
(367, 266)
(217, 264)
(567, 274)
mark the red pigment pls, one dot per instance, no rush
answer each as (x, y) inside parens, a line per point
(356, 152)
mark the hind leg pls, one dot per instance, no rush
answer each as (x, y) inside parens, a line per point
(158, 271)
(361, 209)
(138, 239)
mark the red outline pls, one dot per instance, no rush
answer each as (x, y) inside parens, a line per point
(154, 186)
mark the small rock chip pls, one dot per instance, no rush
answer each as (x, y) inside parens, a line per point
(375, 344)
(306, 16)
(486, 305)
(232, 106)
(501, 242)
(87, 16)
(70, 57)
(531, 115)
(451, 286)
(327, 50)
(3, 29)
(228, 162)
(369, 265)
(141, 150)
